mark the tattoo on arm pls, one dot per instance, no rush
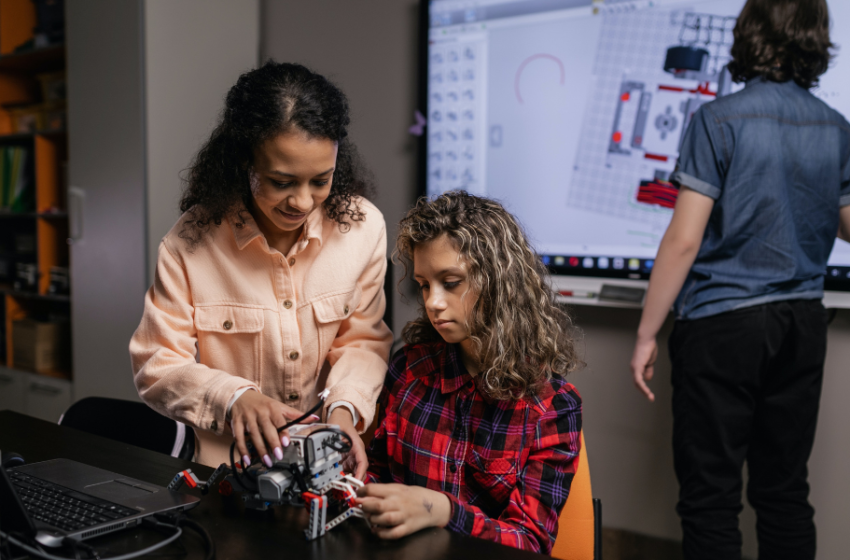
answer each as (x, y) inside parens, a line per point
(428, 505)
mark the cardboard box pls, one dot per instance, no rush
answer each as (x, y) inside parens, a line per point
(40, 346)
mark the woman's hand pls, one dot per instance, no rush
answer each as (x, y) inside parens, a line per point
(260, 416)
(643, 364)
(355, 461)
(396, 510)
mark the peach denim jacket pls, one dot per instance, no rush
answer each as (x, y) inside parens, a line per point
(232, 313)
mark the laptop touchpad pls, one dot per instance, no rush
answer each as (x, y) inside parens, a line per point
(119, 490)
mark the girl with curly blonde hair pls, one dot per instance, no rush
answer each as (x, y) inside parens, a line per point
(480, 431)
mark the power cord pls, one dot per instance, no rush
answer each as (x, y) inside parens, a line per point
(178, 519)
(39, 553)
(198, 528)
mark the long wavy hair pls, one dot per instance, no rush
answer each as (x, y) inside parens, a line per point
(521, 335)
(782, 40)
(274, 99)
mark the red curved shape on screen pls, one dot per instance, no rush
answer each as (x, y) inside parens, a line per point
(530, 59)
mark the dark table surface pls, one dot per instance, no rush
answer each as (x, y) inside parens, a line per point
(237, 532)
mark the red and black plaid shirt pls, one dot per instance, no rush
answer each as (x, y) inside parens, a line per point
(506, 466)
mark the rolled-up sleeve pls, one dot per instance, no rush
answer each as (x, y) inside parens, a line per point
(163, 350)
(359, 353)
(701, 166)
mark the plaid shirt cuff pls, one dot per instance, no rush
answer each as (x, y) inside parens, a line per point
(461, 520)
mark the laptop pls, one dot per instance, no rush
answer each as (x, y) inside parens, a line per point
(60, 498)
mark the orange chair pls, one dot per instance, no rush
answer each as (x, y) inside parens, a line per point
(580, 522)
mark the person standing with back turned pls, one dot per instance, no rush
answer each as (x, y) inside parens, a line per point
(764, 178)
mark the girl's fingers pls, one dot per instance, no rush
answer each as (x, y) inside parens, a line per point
(376, 490)
(391, 533)
(387, 519)
(373, 506)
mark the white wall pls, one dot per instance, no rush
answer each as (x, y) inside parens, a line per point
(369, 48)
(147, 79)
(194, 52)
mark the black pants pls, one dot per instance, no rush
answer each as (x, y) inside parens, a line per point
(746, 387)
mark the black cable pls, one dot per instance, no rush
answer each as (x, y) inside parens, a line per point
(299, 477)
(303, 417)
(198, 528)
(41, 554)
(4, 547)
(344, 447)
(87, 548)
(179, 519)
(236, 473)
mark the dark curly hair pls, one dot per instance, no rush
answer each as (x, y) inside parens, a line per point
(522, 336)
(271, 100)
(782, 40)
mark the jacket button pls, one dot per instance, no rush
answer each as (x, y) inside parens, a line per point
(293, 355)
(292, 261)
(345, 310)
(287, 304)
(453, 468)
(227, 325)
(214, 425)
(293, 396)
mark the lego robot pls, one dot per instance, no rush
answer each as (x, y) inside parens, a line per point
(309, 474)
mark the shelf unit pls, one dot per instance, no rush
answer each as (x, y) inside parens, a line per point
(42, 230)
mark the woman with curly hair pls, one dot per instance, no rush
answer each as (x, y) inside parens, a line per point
(764, 177)
(481, 433)
(269, 289)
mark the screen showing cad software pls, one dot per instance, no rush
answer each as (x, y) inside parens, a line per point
(571, 112)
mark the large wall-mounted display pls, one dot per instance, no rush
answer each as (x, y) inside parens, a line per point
(571, 112)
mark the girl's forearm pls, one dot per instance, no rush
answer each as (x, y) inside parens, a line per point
(671, 268)
(676, 255)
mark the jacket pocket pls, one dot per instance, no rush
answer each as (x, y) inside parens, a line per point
(336, 307)
(229, 338)
(329, 311)
(495, 472)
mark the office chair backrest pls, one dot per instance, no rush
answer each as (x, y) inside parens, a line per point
(131, 422)
(578, 524)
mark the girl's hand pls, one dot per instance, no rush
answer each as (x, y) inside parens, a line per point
(261, 416)
(396, 510)
(643, 364)
(355, 461)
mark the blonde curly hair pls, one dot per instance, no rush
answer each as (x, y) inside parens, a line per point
(521, 335)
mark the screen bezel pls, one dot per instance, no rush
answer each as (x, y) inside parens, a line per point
(838, 290)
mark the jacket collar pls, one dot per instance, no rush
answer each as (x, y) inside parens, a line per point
(245, 229)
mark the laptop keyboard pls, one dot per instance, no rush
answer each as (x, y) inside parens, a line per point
(62, 507)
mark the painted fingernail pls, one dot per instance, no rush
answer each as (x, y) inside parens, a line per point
(246, 461)
(314, 417)
(284, 441)
(267, 460)
(278, 452)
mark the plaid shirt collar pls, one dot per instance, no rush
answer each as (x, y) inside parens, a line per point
(443, 369)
